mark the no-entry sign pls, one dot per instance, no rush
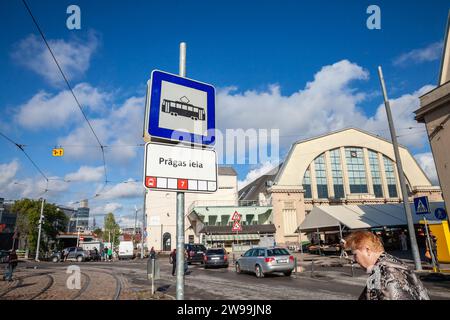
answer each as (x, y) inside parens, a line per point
(179, 168)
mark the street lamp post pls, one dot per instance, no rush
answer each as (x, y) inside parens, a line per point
(40, 230)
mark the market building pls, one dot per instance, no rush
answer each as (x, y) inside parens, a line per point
(345, 167)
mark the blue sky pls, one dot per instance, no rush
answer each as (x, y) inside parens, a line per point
(303, 68)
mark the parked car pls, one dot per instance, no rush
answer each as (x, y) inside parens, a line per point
(215, 257)
(126, 250)
(73, 253)
(4, 256)
(56, 256)
(265, 260)
(195, 252)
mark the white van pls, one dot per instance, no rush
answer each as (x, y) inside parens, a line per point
(126, 250)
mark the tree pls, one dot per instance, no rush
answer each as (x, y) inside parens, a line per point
(98, 233)
(111, 229)
(28, 213)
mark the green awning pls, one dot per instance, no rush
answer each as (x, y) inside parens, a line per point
(232, 237)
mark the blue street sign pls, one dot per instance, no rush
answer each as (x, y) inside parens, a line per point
(421, 205)
(180, 109)
(440, 213)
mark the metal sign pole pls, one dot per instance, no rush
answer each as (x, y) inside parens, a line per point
(144, 227)
(39, 232)
(412, 232)
(433, 258)
(180, 207)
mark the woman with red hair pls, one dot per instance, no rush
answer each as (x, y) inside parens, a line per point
(390, 278)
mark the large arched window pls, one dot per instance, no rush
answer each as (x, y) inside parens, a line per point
(376, 174)
(390, 177)
(307, 184)
(356, 170)
(336, 173)
(321, 177)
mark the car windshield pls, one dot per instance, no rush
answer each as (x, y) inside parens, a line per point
(198, 248)
(277, 252)
(215, 251)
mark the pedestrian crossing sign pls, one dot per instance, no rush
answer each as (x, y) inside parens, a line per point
(422, 205)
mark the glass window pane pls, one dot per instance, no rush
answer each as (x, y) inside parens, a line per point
(356, 170)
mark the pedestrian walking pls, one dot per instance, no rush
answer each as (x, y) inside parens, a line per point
(390, 278)
(152, 253)
(403, 241)
(12, 264)
(104, 253)
(109, 254)
(173, 260)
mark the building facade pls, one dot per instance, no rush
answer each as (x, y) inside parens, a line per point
(349, 166)
(435, 113)
(161, 210)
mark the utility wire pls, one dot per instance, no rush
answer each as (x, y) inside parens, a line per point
(20, 146)
(68, 85)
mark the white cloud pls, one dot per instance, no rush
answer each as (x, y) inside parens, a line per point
(49, 111)
(122, 126)
(107, 208)
(426, 161)
(329, 102)
(429, 53)
(128, 222)
(256, 173)
(73, 56)
(86, 174)
(8, 172)
(323, 105)
(124, 190)
(403, 113)
(14, 187)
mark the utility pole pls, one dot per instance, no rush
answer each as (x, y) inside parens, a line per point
(135, 222)
(143, 225)
(398, 161)
(180, 207)
(40, 230)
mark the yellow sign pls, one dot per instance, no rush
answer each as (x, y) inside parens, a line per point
(59, 152)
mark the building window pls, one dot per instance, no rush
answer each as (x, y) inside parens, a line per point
(307, 184)
(376, 174)
(321, 177)
(224, 220)
(336, 172)
(390, 177)
(356, 170)
(212, 220)
(249, 218)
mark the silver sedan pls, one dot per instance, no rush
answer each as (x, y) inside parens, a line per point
(265, 260)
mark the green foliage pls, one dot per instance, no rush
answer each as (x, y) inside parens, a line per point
(98, 232)
(111, 229)
(28, 213)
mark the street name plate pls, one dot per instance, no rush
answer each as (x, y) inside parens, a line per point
(179, 168)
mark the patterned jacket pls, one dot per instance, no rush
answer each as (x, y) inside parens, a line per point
(391, 279)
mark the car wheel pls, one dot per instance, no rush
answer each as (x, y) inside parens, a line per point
(238, 268)
(55, 259)
(80, 259)
(205, 266)
(288, 273)
(258, 271)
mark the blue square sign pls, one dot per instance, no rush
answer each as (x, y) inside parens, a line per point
(180, 109)
(421, 205)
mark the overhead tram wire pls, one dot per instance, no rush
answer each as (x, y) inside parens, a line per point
(68, 86)
(21, 147)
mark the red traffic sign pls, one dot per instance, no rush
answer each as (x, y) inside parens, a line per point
(236, 226)
(236, 216)
(81, 238)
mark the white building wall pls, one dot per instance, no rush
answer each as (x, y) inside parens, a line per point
(161, 210)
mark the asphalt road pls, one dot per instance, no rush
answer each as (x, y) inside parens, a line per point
(325, 283)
